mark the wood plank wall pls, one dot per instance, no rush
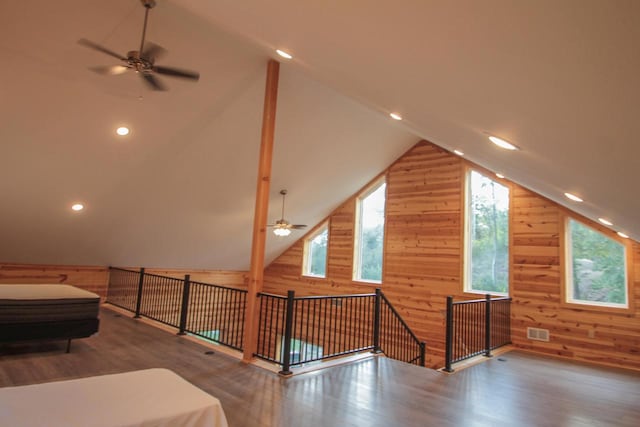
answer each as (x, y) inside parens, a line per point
(232, 279)
(96, 278)
(424, 257)
(600, 335)
(92, 278)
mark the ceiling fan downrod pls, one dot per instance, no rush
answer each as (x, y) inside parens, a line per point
(284, 193)
(148, 5)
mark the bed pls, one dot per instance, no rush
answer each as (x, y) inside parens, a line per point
(47, 312)
(149, 398)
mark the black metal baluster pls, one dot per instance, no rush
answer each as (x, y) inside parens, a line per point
(286, 356)
(449, 335)
(185, 304)
(233, 326)
(376, 322)
(262, 323)
(139, 298)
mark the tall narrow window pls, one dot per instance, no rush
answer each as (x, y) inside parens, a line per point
(369, 239)
(596, 270)
(487, 236)
(315, 252)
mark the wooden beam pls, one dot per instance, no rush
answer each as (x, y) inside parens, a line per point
(256, 270)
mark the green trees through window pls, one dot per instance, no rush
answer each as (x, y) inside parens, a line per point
(370, 235)
(596, 267)
(487, 235)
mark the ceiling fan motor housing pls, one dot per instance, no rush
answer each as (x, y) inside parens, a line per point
(138, 62)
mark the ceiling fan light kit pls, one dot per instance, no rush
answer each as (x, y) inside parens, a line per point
(141, 61)
(281, 231)
(282, 227)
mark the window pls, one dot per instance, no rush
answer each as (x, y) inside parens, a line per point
(487, 236)
(596, 270)
(369, 240)
(315, 253)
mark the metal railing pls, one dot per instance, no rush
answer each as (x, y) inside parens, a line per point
(298, 330)
(476, 327)
(397, 340)
(206, 310)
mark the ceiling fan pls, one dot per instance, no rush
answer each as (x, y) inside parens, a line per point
(282, 227)
(141, 61)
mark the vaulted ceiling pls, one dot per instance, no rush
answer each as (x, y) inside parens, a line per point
(559, 79)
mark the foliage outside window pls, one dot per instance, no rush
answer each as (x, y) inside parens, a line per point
(370, 235)
(315, 253)
(596, 267)
(487, 236)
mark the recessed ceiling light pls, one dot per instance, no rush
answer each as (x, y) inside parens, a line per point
(573, 197)
(621, 234)
(499, 175)
(395, 116)
(502, 143)
(284, 54)
(77, 207)
(458, 152)
(605, 221)
(122, 131)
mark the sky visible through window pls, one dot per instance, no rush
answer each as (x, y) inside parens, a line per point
(481, 188)
(373, 208)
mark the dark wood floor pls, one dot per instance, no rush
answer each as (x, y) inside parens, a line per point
(515, 389)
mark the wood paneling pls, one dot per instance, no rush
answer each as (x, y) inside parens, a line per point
(232, 279)
(579, 332)
(424, 257)
(94, 279)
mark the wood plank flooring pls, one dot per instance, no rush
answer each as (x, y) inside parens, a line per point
(514, 389)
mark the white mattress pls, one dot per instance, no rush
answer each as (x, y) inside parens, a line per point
(46, 303)
(44, 292)
(148, 398)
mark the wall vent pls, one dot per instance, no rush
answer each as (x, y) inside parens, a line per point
(538, 334)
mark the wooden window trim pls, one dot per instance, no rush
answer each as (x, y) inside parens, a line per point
(565, 216)
(465, 238)
(357, 231)
(305, 254)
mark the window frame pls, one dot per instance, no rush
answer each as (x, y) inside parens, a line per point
(306, 258)
(566, 266)
(357, 231)
(467, 255)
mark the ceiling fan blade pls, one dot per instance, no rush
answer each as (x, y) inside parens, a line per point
(298, 226)
(95, 46)
(175, 72)
(110, 70)
(153, 82)
(152, 51)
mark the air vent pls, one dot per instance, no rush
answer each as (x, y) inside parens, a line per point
(538, 334)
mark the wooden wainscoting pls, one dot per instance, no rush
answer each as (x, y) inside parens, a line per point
(91, 278)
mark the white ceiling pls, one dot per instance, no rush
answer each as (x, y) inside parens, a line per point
(561, 79)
